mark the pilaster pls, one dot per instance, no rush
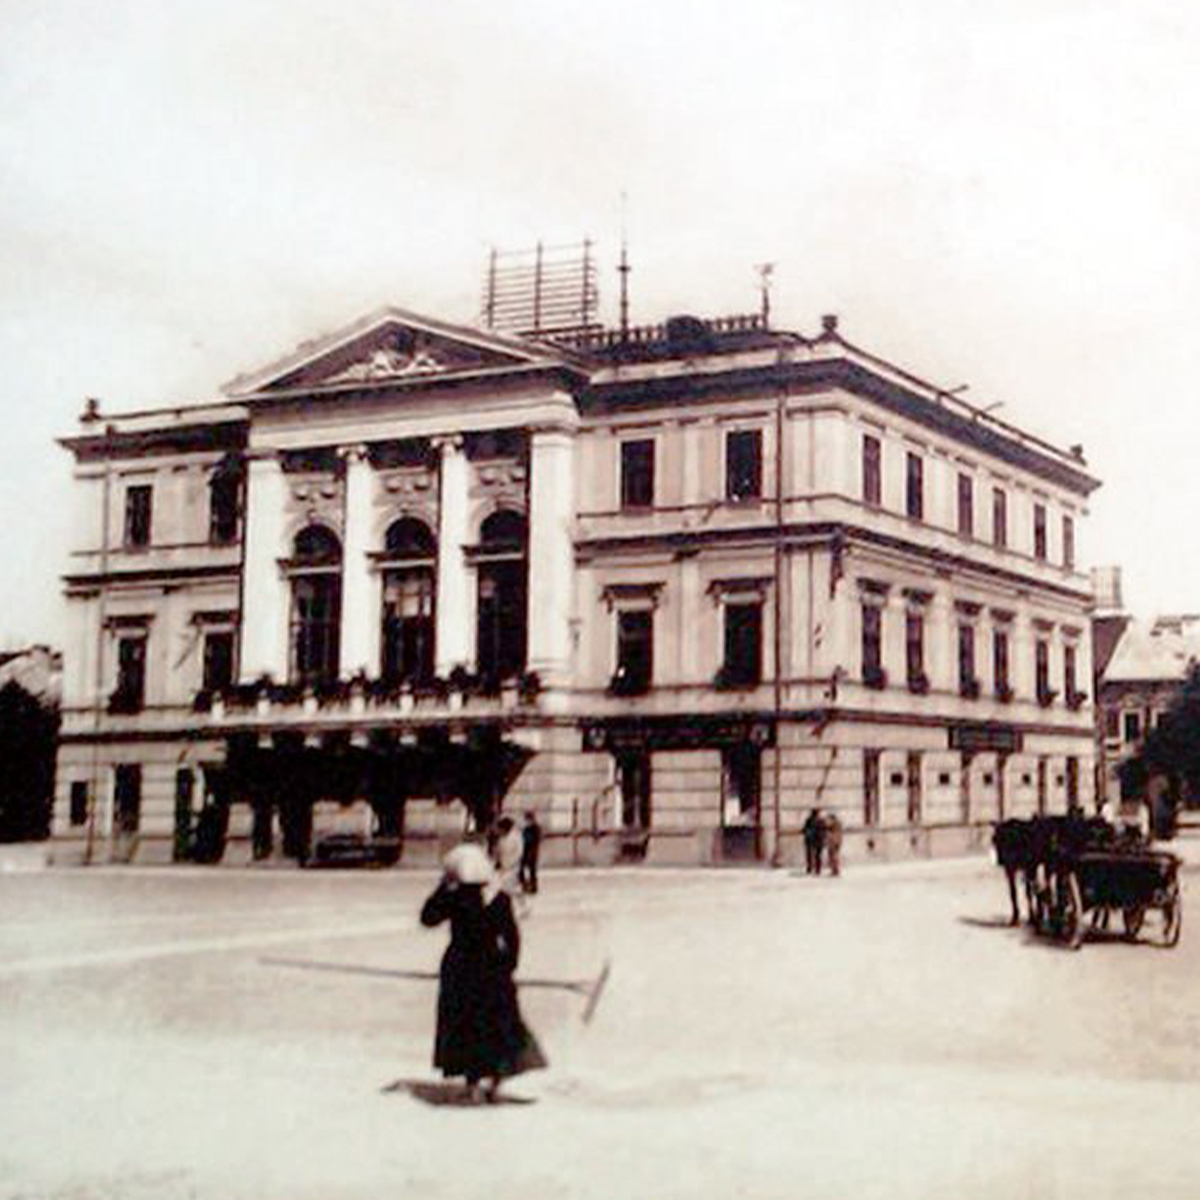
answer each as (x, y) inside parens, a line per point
(360, 618)
(455, 607)
(551, 552)
(264, 589)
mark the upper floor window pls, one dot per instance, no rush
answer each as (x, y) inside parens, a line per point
(999, 518)
(966, 505)
(635, 652)
(1074, 697)
(407, 635)
(743, 643)
(1000, 664)
(1133, 727)
(968, 681)
(1039, 531)
(872, 645)
(130, 693)
(137, 514)
(914, 495)
(224, 502)
(914, 643)
(1041, 665)
(637, 473)
(1068, 541)
(743, 464)
(872, 469)
(316, 606)
(218, 659)
(502, 597)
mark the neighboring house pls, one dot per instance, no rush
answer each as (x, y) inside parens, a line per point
(670, 587)
(1142, 678)
(30, 683)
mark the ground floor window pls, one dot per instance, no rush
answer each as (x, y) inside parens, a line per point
(964, 789)
(79, 802)
(1041, 787)
(913, 774)
(633, 781)
(1072, 782)
(127, 798)
(741, 778)
(870, 787)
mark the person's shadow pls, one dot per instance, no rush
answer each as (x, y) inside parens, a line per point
(445, 1093)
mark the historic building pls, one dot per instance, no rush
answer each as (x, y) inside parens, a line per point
(670, 587)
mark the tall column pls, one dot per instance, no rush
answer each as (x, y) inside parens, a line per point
(360, 625)
(551, 552)
(455, 626)
(264, 590)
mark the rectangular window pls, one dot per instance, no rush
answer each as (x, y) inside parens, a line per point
(137, 515)
(224, 507)
(1072, 781)
(872, 470)
(872, 646)
(1042, 672)
(1133, 728)
(1069, 688)
(127, 798)
(1039, 531)
(743, 644)
(129, 695)
(913, 774)
(1000, 664)
(633, 780)
(1068, 542)
(637, 474)
(914, 496)
(966, 505)
(218, 660)
(964, 788)
(914, 642)
(968, 683)
(999, 518)
(408, 626)
(870, 788)
(635, 652)
(79, 802)
(743, 464)
(742, 772)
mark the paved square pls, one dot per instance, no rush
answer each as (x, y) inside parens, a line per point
(762, 1034)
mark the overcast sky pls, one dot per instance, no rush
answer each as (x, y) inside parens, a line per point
(1002, 195)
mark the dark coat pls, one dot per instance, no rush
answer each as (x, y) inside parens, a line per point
(480, 1033)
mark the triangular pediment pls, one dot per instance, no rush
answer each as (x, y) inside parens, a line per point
(390, 345)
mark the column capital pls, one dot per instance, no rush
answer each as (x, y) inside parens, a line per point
(447, 441)
(546, 429)
(357, 452)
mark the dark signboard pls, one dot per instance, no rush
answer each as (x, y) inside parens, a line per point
(694, 733)
(985, 738)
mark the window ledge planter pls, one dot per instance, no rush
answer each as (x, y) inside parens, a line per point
(968, 689)
(875, 677)
(918, 684)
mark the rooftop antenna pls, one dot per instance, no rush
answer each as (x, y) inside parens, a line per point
(623, 270)
(765, 271)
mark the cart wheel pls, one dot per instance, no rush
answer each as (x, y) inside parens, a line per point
(1172, 912)
(1071, 924)
(1134, 918)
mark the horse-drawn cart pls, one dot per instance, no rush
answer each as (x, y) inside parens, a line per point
(1074, 867)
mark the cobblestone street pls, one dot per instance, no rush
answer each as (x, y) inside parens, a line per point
(192, 1034)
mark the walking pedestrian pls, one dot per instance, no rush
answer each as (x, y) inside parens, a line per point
(480, 1033)
(833, 842)
(507, 855)
(813, 839)
(531, 845)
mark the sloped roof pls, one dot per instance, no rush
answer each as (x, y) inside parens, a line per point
(1158, 650)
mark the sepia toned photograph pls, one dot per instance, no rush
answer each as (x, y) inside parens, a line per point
(599, 600)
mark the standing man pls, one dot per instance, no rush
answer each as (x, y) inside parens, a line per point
(531, 845)
(814, 837)
(833, 842)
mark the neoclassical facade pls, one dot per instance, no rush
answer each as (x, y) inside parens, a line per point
(671, 589)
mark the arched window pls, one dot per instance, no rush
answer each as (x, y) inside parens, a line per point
(410, 551)
(316, 576)
(502, 609)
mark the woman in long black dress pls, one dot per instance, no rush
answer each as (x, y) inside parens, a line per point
(480, 1033)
